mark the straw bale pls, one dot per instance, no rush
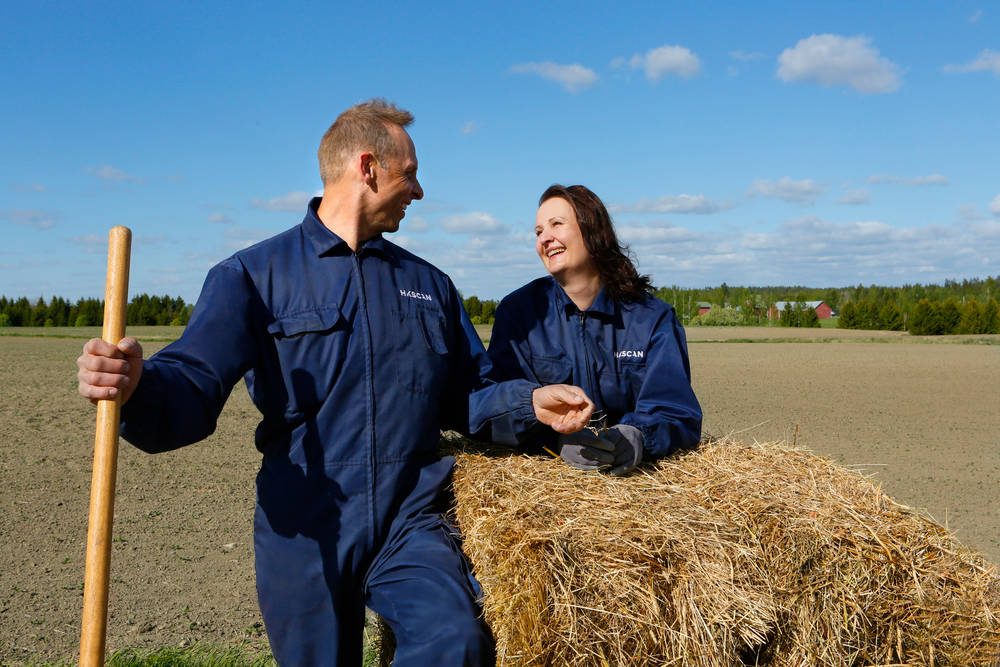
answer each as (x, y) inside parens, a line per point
(730, 554)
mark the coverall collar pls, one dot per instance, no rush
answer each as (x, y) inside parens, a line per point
(326, 242)
(603, 304)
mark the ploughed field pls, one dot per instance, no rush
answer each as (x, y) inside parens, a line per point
(918, 414)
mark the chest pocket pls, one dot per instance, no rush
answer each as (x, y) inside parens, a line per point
(631, 365)
(311, 346)
(552, 370)
(422, 348)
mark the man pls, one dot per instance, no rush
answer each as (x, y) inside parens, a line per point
(356, 352)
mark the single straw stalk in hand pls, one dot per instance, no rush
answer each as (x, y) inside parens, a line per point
(102, 486)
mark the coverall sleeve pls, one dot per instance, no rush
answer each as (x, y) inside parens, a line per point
(476, 398)
(666, 411)
(184, 386)
(509, 364)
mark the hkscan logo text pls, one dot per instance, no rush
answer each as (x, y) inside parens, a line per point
(415, 295)
(630, 354)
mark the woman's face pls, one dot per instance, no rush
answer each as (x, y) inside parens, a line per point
(558, 240)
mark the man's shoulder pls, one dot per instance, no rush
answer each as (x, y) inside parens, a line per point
(412, 262)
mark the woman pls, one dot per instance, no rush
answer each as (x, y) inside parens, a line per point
(594, 323)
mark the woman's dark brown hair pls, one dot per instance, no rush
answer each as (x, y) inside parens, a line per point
(618, 275)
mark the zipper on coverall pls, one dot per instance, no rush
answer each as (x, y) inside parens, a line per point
(370, 402)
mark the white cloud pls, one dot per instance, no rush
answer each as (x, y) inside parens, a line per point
(855, 197)
(30, 218)
(833, 60)
(238, 238)
(970, 212)
(221, 218)
(28, 187)
(415, 223)
(646, 235)
(930, 179)
(995, 206)
(470, 127)
(987, 60)
(91, 244)
(293, 202)
(976, 15)
(745, 56)
(474, 222)
(672, 204)
(572, 78)
(667, 59)
(799, 192)
(108, 173)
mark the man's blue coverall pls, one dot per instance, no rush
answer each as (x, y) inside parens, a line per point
(630, 358)
(355, 361)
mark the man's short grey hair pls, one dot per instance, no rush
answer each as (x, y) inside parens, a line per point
(363, 127)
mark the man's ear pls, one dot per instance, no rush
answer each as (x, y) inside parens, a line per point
(366, 165)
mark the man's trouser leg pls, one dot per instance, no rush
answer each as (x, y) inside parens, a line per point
(308, 588)
(423, 588)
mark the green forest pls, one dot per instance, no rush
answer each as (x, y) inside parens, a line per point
(967, 306)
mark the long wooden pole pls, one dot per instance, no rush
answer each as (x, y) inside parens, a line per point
(94, 626)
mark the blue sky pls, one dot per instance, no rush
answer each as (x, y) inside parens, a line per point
(818, 144)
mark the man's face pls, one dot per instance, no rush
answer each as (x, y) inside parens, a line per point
(396, 183)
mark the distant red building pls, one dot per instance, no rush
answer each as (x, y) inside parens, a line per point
(823, 311)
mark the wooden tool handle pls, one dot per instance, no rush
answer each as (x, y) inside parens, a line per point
(102, 485)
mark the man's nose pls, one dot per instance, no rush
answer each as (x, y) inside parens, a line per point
(418, 192)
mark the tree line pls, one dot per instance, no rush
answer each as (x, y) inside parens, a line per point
(58, 312)
(918, 308)
(967, 306)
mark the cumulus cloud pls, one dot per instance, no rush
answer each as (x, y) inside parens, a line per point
(293, 202)
(834, 60)
(470, 127)
(108, 173)
(976, 15)
(798, 192)
(919, 181)
(220, 218)
(855, 197)
(474, 222)
(36, 219)
(988, 60)
(672, 204)
(573, 78)
(995, 206)
(668, 59)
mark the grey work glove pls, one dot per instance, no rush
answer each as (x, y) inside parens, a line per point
(627, 445)
(584, 450)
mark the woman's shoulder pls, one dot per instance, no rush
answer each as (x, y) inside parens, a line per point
(536, 292)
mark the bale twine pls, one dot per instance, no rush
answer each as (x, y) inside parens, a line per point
(731, 554)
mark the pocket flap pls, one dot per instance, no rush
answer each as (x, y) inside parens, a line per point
(319, 319)
(552, 371)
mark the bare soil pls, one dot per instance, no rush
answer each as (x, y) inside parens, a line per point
(920, 417)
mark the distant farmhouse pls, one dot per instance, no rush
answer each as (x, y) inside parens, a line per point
(823, 311)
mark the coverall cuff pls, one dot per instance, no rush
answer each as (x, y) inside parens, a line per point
(650, 450)
(139, 414)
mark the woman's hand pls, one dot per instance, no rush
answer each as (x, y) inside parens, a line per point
(562, 406)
